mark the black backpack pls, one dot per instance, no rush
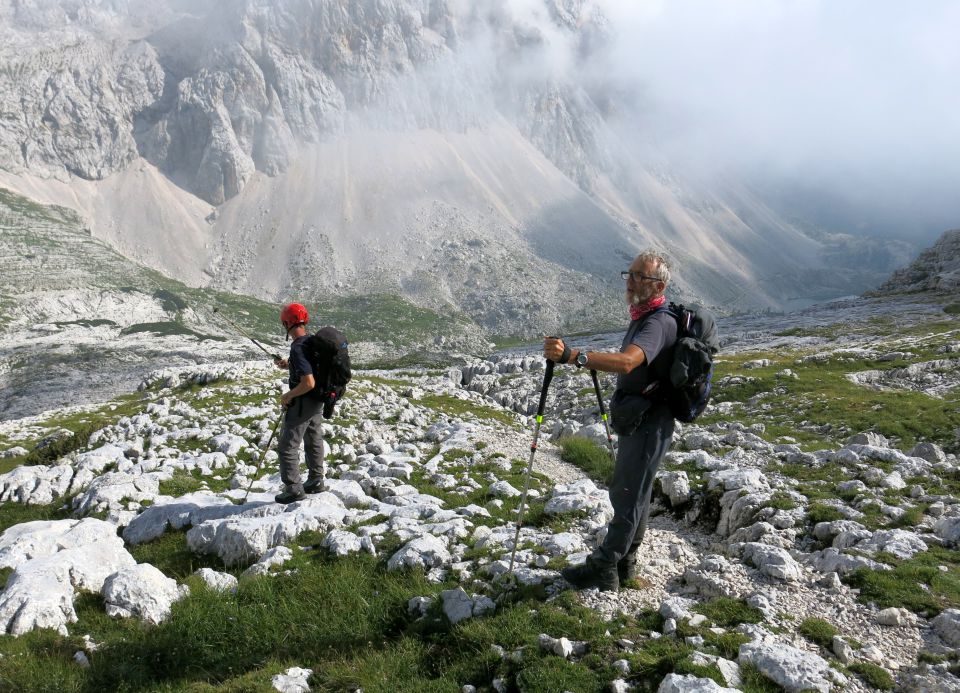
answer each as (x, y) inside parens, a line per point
(691, 373)
(328, 354)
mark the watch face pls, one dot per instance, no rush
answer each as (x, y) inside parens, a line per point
(582, 358)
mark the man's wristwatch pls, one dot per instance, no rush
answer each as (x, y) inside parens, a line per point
(581, 359)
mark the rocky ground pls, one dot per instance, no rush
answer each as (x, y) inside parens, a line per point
(833, 544)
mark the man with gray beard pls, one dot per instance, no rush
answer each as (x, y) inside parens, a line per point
(642, 421)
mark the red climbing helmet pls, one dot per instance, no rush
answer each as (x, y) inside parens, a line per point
(293, 314)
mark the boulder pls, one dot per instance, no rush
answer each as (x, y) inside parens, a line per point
(52, 560)
(675, 486)
(221, 582)
(239, 539)
(141, 591)
(773, 562)
(424, 552)
(947, 626)
(795, 670)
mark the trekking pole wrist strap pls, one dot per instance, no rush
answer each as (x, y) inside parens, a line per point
(565, 356)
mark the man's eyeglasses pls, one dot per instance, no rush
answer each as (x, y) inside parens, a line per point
(637, 276)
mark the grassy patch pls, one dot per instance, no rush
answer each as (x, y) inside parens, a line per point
(875, 676)
(593, 459)
(756, 682)
(818, 631)
(168, 328)
(726, 612)
(170, 554)
(952, 309)
(821, 512)
(12, 513)
(917, 584)
(459, 408)
(180, 484)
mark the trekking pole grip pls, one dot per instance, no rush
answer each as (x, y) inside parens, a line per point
(596, 388)
(547, 377)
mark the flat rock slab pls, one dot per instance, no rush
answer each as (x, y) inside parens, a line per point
(791, 668)
(239, 539)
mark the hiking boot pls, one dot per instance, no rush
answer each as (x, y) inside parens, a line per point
(627, 567)
(603, 577)
(314, 485)
(289, 496)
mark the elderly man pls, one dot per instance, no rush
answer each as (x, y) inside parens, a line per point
(644, 359)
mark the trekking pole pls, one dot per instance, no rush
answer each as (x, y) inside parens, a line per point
(263, 455)
(603, 412)
(275, 357)
(547, 377)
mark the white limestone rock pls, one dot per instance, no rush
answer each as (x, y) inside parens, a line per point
(715, 576)
(274, 558)
(677, 608)
(868, 438)
(36, 485)
(794, 669)
(111, 491)
(215, 580)
(677, 683)
(41, 590)
(424, 552)
(503, 489)
(773, 562)
(240, 539)
(948, 529)
(177, 513)
(293, 680)
(459, 606)
(229, 444)
(675, 486)
(947, 626)
(340, 542)
(931, 452)
(834, 561)
(580, 496)
(896, 616)
(141, 591)
(899, 542)
(737, 479)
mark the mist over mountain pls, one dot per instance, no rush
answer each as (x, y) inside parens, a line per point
(482, 158)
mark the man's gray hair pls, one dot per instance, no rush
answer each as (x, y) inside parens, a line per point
(661, 265)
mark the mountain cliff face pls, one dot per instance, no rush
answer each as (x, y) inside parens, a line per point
(936, 269)
(460, 154)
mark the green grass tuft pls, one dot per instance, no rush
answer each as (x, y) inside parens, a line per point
(917, 584)
(873, 675)
(726, 612)
(593, 459)
(818, 631)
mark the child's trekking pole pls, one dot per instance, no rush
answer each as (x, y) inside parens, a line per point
(603, 412)
(263, 455)
(547, 377)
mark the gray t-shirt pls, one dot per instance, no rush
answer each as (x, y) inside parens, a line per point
(656, 334)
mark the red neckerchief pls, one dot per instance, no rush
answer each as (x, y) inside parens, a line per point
(637, 312)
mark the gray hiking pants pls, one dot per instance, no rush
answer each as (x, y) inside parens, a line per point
(301, 422)
(638, 459)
